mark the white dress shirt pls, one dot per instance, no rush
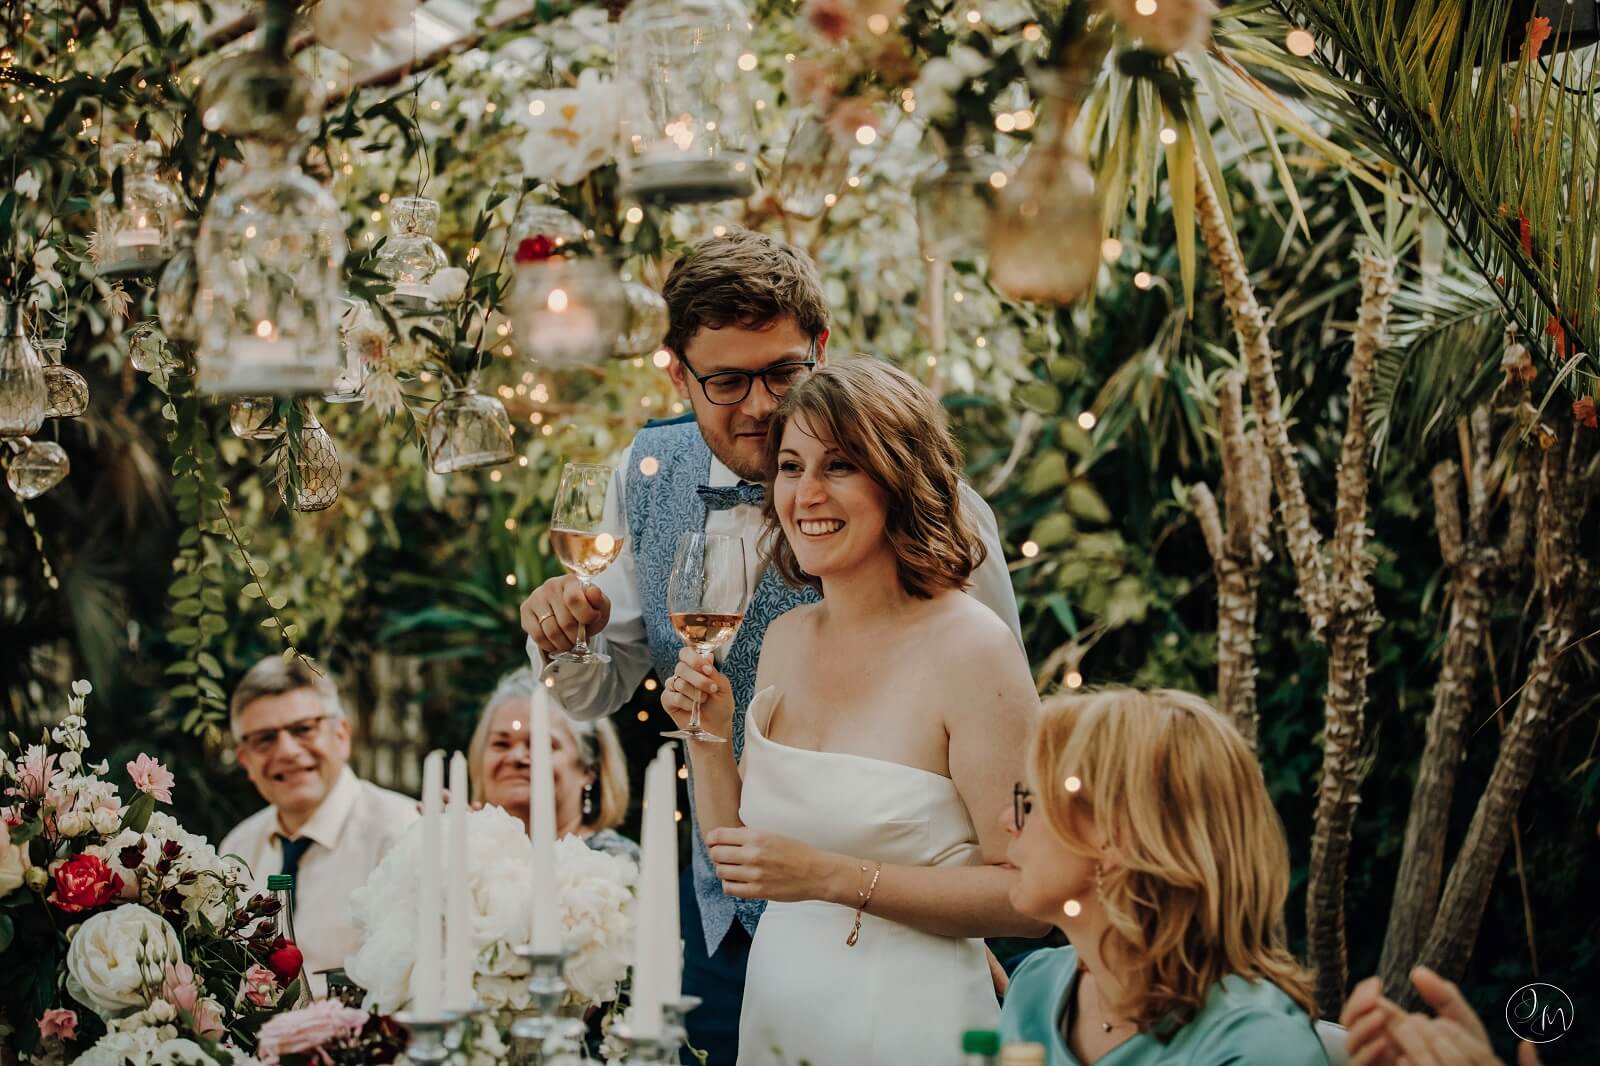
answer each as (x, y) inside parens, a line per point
(351, 832)
(597, 690)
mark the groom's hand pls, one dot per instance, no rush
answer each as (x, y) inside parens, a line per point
(753, 864)
(554, 612)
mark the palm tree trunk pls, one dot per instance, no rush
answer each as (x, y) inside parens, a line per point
(1351, 619)
(1237, 552)
(1251, 325)
(1468, 560)
(1563, 499)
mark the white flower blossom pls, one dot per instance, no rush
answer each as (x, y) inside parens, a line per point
(117, 955)
(27, 186)
(449, 285)
(352, 27)
(574, 132)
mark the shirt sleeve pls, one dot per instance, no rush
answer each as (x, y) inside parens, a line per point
(991, 582)
(595, 690)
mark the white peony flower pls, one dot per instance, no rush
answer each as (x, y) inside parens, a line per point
(1164, 26)
(351, 27)
(27, 186)
(117, 955)
(574, 132)
(596, 912)
(73, 823)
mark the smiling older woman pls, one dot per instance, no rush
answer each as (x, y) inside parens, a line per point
(591, 773)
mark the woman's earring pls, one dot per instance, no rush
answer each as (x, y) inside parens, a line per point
(588, 801)
(1099, 873)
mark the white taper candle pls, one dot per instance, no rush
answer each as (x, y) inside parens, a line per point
(425, 972)
(458, 993)
(542, 825)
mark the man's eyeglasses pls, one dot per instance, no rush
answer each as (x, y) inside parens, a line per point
(1021, 804)
(262, 741)
(728, 387)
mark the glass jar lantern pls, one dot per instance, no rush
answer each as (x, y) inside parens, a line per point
(953, 199)
(685, 136)
(566, 311)
(66, 391)
(814, 165)
(647, 320)
(175, 291)
(467, 430)
(411, 257)
(24, 396)
(351, 384)
(270, 254)
(135, 231)
(250, 417)
(38, 467)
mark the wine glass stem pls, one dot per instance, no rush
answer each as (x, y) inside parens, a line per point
(582, 646)
(694, 715)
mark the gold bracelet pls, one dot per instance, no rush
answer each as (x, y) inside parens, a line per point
(866, 898)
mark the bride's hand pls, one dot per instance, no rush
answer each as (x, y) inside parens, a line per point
(697, 678)
(756, 865)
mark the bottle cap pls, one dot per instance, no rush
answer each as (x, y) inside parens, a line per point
(1022, 1055)
(280, 882)
(980, 1042)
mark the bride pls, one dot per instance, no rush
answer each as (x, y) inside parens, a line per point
(888, 727)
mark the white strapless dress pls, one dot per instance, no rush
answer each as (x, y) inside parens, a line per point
(899, 995)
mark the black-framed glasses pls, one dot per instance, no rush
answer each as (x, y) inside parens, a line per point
(1021, 803)
(728, 387)
(264, 740)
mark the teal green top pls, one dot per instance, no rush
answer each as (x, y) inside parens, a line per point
(1244, 1023)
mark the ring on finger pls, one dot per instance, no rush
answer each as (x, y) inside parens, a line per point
(543, 618)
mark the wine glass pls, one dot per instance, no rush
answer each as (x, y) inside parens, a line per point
(706, 598)
(582, 538)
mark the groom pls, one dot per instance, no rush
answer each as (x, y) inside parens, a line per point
(747, 322)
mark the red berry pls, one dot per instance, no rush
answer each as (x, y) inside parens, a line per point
(286, 962)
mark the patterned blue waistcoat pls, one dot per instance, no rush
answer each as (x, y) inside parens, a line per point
(660, 507)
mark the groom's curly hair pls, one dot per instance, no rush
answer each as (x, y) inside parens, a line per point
(890, 426)
(744, 279)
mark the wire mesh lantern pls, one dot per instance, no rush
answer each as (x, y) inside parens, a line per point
(67, 393)
(814, 165)
(686, 111)
(467, 430)
(310, 482)
(135, 227)
(250, 417)
(24, 396)
(175, 291)
(38, 467)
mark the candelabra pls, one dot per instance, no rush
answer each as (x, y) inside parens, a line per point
(430, 1034)
(673, 1032)
(547, 988)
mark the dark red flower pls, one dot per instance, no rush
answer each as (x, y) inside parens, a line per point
(1555, 329)
(535, 249)
(1525, 232)
(84, 883)
(1584, 411)
(285, 962)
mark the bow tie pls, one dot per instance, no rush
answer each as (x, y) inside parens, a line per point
(743, 494)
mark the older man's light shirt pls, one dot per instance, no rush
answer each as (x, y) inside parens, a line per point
(350, 832)
(595, 691)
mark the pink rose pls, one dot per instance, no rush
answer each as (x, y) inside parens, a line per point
(178, 987)
(304, 1030)
(151, 777)
(207, 1020)
(59, 1023)
(259, 986)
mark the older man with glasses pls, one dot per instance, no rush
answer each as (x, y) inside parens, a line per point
(322, 823)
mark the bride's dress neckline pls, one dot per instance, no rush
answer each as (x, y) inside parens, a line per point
(770, 694)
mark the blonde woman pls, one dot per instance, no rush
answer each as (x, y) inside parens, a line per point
(591, 773)
(1145, 834)
(885, 715)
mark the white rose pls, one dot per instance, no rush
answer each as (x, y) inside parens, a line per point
(13, 862)
(116, 954)
(73, 824)
(105, 820)
(449, 284)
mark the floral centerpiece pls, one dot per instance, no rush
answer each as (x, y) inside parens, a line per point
(124, 938)
(596, 898)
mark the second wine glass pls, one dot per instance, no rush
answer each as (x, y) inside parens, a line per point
(706, 598)
(582, 540)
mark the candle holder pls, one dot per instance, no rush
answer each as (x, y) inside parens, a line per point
(429, 1035)
(653, 1050)
(674, 1033)
(546, 990)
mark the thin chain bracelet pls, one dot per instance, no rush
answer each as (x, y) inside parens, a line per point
(866, 898)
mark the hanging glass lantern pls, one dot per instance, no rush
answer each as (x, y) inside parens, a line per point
(685, 108)
(647, 320)
(351, 384)
(1045, 228)
(272, 243)
(560, 227)
(411, 257)
(467, 430)
(38, 467)
(954, 197)
(135, 232)
(68, 393)
(814, 165)
(248, 417)
(23, 394)
(316, 481)
(565, 311)
(175, 291)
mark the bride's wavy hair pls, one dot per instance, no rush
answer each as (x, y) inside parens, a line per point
(894, 429)
(1197, 866)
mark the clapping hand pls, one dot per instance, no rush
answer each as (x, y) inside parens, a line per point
(1382, 1034)
(697, 678)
